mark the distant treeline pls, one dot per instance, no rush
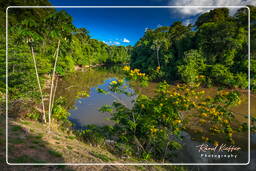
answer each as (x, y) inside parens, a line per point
(215, 46)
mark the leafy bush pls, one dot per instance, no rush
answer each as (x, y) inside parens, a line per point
(148, 125)
(253, 85)
(213, 114)
(241, 80)
(92, 135)
(221, 75)
(152, 127)
(192, 66)
(33, 116)
(60, 113)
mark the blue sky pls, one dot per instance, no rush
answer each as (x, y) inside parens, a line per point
(127, 26)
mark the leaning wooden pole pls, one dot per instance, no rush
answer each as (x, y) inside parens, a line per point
(54, 92)
(52, 85)
(38, 82)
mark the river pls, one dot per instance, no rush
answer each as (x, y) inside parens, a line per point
(84, 111)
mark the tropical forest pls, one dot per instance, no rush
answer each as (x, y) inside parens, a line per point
(178, 92)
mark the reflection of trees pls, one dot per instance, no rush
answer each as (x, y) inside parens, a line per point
(72, 84)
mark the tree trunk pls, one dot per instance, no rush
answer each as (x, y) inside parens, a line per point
(157, 56)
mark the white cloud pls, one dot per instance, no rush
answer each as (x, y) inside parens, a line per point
(107, 42)
(159, 25)
(116, 43)
(126, 40)
(111, 42)
(195, 11)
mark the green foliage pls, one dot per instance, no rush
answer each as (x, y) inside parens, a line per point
(16, 141)
(60, 113)
(82, 94)
(34, 116)
(145, 129)
(241, 80)
(26, 159)
(41, 32)
(152, 127)
(213, 38)
(218, 41)
(192, 66)
(92, 135)
(217, 15)
(16, 128)
(106, 108)
(215, 116)
(134, 75)
(55, 153)
(221, 74)
(101, 156)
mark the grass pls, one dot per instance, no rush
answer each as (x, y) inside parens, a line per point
(33, 146)
(69, 147)
(16, 128)
(101, 156)
(25, 122)
(36, 141)
(16, 141)
(35, 149)
(26, 159)
(55, 153)
(56, 138)
(38, 136)
(71, 137)
(2, 141)
(1, 131)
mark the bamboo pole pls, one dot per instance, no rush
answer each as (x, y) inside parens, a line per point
(52, 84)
(38, 82)
(54, 93)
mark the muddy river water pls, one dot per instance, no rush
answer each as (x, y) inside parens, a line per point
(85, 111)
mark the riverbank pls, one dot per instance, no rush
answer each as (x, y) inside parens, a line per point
(83, 68)
(30, 142)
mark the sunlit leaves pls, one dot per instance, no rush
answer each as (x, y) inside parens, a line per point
(100, 90)
(106, 108)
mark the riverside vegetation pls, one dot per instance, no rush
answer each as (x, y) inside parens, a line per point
(213, 52)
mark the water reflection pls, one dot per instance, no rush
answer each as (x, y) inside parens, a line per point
(87, 109)
(84, 111)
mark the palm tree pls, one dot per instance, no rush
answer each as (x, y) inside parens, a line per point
(156, 46)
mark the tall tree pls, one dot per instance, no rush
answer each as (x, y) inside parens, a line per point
(28, 31)
(60, 24)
